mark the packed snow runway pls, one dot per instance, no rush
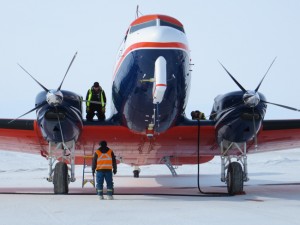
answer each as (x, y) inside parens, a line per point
(272, 194)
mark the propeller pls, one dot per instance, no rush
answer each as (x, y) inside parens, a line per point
(225, 110)
(58, 89)
(258, 86)
(251, 98)
(37, 107)
(53, 97)
(33, 78)
(283, 106)
(235, 81)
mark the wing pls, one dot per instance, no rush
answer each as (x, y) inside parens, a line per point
(279, 135)
(180, 143)
(21, 136)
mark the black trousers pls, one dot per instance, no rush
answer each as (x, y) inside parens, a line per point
(95, 110)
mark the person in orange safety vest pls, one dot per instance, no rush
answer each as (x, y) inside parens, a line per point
(104, 162)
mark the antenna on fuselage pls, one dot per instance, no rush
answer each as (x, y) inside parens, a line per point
(137, 12)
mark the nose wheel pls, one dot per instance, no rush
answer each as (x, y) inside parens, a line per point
(234, 178)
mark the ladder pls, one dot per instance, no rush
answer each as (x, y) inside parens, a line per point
(87, 174)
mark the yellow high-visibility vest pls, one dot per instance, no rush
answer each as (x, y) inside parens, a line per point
(90, 97)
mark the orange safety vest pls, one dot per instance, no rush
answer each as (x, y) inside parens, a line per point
(104, 160)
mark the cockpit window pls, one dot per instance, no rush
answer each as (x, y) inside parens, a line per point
(165, 23)
(142, 25)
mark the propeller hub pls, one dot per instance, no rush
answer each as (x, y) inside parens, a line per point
(251, 98)
(54, 98)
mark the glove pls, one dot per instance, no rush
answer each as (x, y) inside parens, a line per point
(93, 173)
(115, 171)
(87, 109)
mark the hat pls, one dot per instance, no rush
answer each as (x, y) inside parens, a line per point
(103, 143)
(96, 84)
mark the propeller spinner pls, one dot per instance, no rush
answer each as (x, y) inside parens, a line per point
(54, 98)
(251, 98)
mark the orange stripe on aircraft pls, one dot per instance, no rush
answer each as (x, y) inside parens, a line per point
(144, 19)
(171, 45)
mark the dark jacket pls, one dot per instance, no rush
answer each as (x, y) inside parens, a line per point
(114, 162)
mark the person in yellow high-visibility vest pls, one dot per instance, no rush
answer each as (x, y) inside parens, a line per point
(104, 162)
(95, 94)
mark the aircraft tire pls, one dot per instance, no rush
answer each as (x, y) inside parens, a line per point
(234, 180)
(60, 178)
(136, 173)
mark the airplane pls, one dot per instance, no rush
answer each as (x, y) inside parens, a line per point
(148, 125)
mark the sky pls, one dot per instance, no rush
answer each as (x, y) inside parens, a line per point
(245, 36)
(272, 194)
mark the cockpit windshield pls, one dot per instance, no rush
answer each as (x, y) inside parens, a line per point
(142, 25)
(156, 22)
(165, 23)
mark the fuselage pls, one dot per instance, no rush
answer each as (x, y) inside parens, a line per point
(136, 82)
(150, 86)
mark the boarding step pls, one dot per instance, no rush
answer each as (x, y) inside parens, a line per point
(87, 174)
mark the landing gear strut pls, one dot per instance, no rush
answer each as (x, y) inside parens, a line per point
(63, 153)
(237, 171)
(167, 161)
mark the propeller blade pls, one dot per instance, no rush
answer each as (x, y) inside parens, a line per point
(34, 78)
(283, 106)
(254, 129)
(62, 135)
(226, 109)
(237, 83)
(265, 74)
(37, 107)
(67, 71)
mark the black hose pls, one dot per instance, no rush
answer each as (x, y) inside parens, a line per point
(207, 194)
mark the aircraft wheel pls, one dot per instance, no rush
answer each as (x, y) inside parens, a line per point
(234, 180)
(60, 178)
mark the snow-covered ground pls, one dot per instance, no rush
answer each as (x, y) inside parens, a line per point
(272, 194)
